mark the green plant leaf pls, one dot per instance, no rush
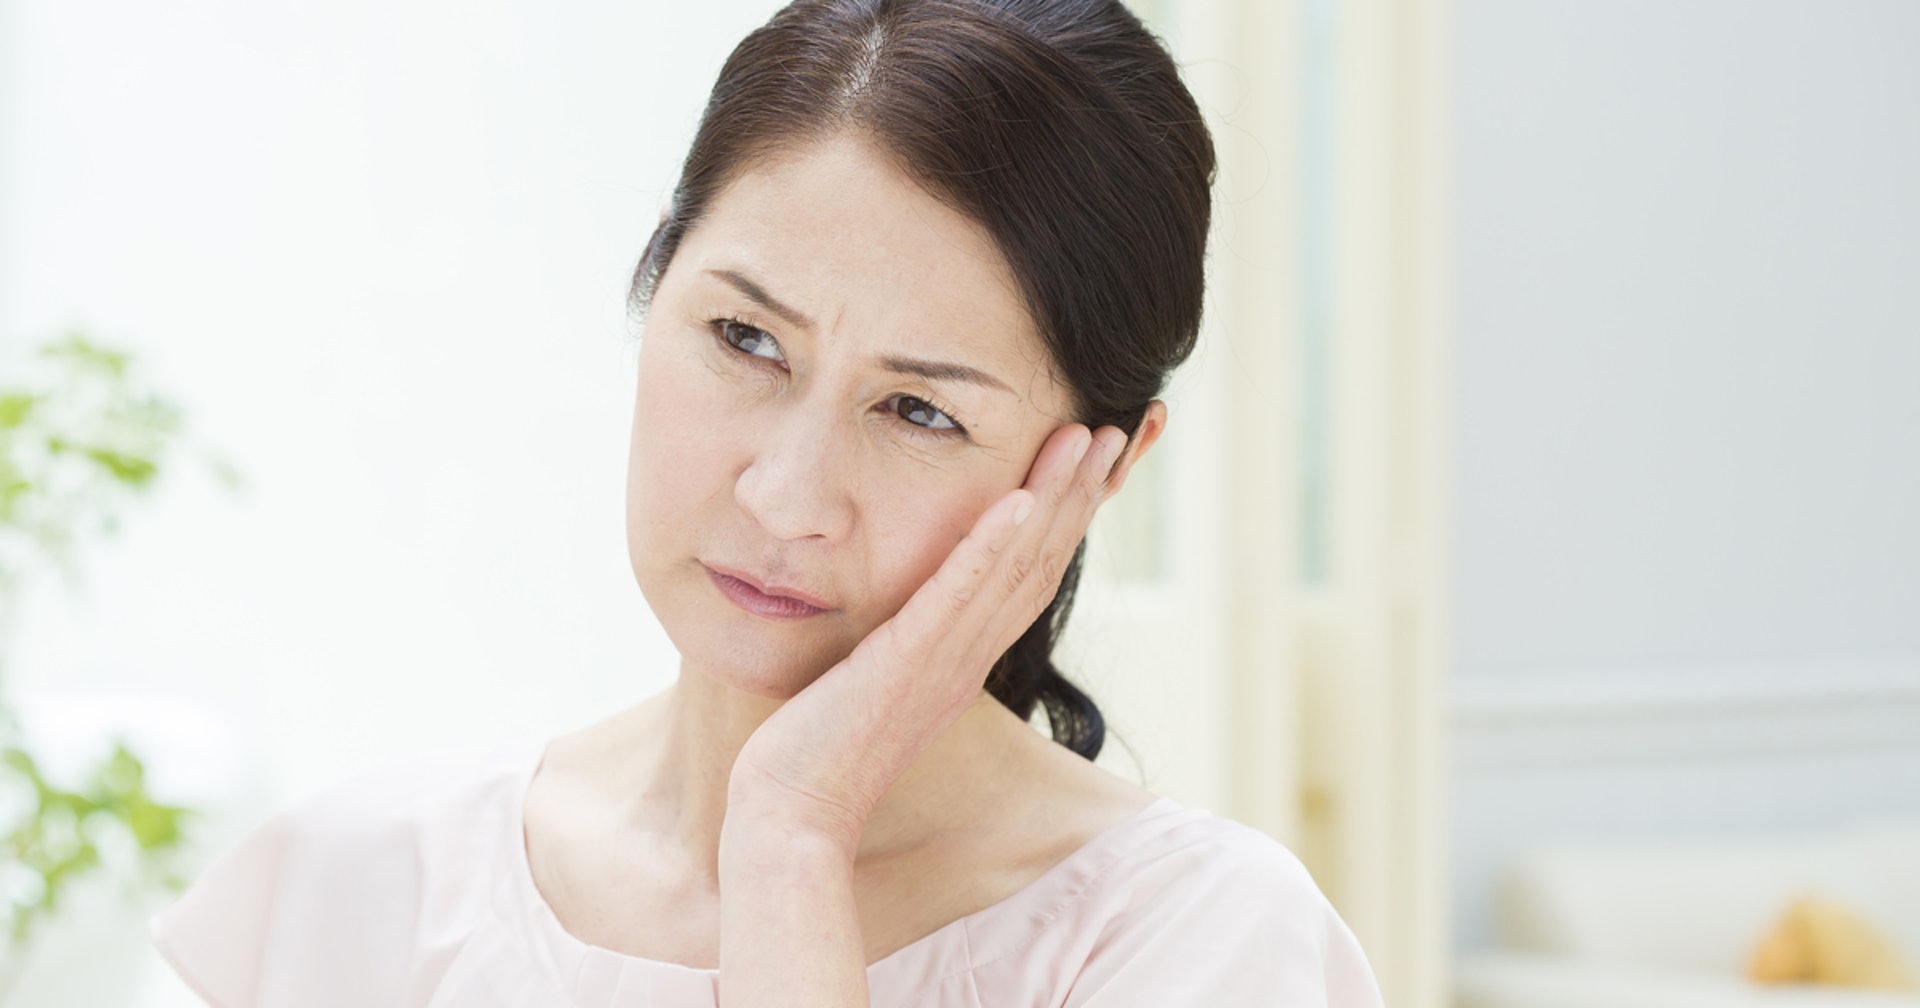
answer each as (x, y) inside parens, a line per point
(85, 353)
(126, 468)
(157, 827)
(123, 775)
(14, 408)
(76, 448)
(21, 760)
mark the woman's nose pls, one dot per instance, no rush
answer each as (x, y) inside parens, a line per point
(794, 484)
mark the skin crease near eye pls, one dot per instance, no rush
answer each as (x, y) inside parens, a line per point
(751, 341)
(809, 329)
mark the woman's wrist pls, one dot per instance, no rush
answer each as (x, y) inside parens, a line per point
(790, 927)
(778, 821)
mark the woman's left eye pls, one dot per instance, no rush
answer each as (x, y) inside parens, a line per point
(748, 340)
(921, 413)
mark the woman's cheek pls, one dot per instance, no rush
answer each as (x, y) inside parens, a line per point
(924, 528)
(682, 430)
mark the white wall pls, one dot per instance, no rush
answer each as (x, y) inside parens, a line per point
(9, 103)
(380, 251)
(1688, 425)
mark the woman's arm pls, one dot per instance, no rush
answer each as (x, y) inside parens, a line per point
(807, 779)
(789, 928)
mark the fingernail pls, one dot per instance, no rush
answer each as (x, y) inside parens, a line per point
(1022, 510)
(1110, 452)
(1080, 449)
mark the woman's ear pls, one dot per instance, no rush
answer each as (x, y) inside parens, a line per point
(1151, 425)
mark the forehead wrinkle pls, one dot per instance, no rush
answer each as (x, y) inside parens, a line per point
(1005, 353)
(1033, 350)
(992, 327)
(750, 288)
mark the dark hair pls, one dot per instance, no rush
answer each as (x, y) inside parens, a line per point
(1062, 127)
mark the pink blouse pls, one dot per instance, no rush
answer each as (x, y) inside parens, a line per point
(410, 887)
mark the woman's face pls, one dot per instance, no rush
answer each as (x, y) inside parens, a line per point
(838, 375)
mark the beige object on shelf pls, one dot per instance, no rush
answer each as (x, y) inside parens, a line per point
(1675, 923)
(1820, 941)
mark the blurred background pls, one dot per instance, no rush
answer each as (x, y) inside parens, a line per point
(1535, 547)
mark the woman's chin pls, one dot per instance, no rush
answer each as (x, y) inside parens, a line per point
(774, 676)
(771, 658)
(770, 685)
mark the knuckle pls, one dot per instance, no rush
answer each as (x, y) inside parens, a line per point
(888, 638)
(1018, 567)
(1041, 602)
(959, 597)
(1051, 569)
(909, 651)
(1061, 490)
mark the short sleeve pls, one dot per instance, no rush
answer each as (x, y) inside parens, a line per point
(313, 908)
(334, 901)
(1235, 920)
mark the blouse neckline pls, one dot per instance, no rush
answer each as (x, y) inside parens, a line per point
(594, 971)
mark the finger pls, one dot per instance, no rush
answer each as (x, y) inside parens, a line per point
(1034, 561)
(1064, 449)
(1079, 493)
(1109, 471)
(996, 555)
(1051, 481)
(980, 592)
(999, 593)
(958, 600)
(1109, 444)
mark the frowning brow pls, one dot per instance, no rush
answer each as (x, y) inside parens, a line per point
(758, 295)
(942, 371)
(931, 370)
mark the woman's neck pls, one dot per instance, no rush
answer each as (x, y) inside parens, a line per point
(667, 762)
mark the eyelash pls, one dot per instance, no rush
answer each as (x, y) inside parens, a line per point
(722, 326)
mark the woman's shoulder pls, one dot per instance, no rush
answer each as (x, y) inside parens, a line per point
(1149, 847)
(1122, 854)
(349, 878)
(1171, 848)
(1196, 903)
(422, 812)
(1175, 905)
(426, 814)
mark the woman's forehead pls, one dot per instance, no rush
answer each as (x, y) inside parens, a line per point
(836, 235)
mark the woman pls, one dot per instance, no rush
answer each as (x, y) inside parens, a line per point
(926, 269)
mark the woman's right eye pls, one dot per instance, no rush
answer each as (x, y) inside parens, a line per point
(748, 340)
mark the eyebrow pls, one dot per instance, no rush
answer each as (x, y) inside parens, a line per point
(758, 295)
(930, 370)
(942, 371)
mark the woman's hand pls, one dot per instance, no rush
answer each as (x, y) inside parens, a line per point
(822, 762)
(808, 777)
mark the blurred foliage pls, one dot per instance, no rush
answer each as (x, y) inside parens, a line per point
(81, 438)
(110, 821)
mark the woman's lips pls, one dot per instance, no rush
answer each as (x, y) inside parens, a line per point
(773, 603)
